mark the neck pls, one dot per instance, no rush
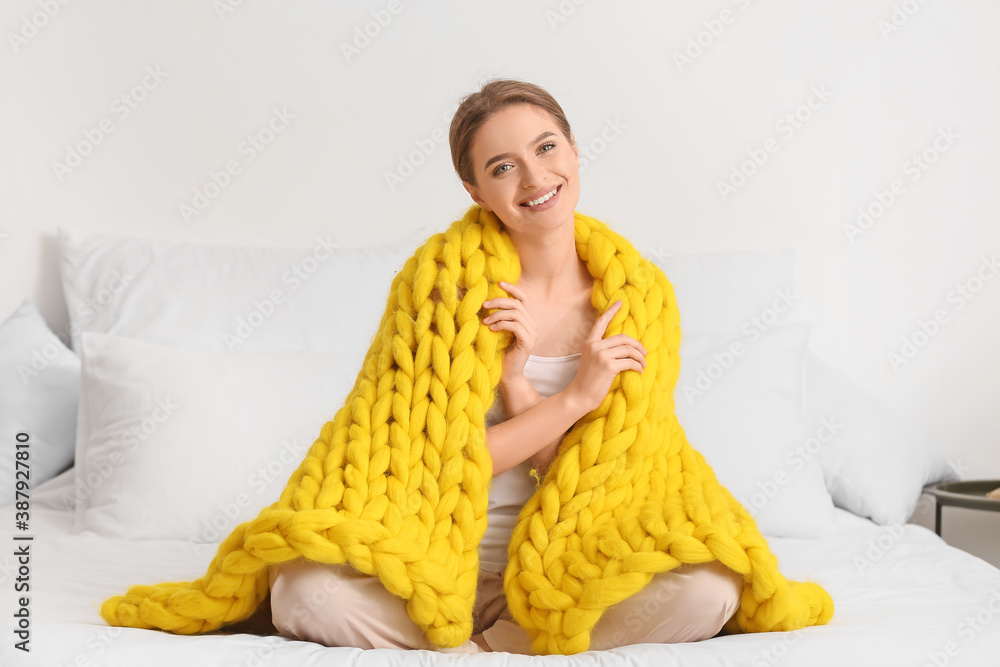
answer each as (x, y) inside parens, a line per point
(550, 265)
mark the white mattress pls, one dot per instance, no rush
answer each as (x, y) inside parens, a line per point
(913, 601)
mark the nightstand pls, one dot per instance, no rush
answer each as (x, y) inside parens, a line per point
(970, 494)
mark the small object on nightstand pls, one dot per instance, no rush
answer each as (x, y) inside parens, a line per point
(974, 494)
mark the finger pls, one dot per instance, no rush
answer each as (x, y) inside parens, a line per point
(601, 324)
(621, 351)
(512, 326)
(503, 315)
(501, 302)
(625, 339)
(513, 289)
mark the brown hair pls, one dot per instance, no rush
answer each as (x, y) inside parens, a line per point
(476, 108)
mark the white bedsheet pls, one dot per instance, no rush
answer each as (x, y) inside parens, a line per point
(902, 597)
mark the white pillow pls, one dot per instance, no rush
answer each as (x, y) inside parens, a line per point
(39, 381)
(186, 444)
(216, 297)
(739, 401)
(875, 462)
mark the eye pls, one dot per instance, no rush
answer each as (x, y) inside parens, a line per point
(497, 172)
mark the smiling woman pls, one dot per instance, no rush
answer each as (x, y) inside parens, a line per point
(514, 152)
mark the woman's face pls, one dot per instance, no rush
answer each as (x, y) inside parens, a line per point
(520, 155)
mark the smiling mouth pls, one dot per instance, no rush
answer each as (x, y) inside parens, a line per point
(544, 198)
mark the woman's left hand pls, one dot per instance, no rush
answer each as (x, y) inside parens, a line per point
(512, 314)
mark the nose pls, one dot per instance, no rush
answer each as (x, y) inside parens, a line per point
(530, 176)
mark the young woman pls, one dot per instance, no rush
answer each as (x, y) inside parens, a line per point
(513, 150)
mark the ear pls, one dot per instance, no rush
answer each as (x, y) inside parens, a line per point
(576, 149)
(474, 193)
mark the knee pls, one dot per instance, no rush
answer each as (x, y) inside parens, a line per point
(712, 598)
(302, 598)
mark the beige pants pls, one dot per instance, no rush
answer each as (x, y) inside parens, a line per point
(335, 605)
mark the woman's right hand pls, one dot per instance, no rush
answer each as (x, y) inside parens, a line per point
(601, 360)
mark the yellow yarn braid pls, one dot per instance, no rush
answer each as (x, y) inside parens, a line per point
(397, 483)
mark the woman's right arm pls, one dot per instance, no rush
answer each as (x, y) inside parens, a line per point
(513, 441)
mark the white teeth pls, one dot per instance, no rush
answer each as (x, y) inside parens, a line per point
(542, 199)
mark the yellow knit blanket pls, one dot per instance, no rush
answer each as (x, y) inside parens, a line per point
(396, 484)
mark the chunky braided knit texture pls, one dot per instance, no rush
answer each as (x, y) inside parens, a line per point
(397, 483)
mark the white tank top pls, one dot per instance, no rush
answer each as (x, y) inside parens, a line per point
(511, 489)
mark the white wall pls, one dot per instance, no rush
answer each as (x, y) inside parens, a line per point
(892, 82)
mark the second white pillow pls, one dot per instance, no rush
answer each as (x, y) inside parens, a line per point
(187, 444)
(741, 408)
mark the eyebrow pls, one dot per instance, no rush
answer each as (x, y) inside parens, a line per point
(497, 158)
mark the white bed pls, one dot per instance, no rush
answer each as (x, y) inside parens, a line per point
(830, 476)
(900, 609)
